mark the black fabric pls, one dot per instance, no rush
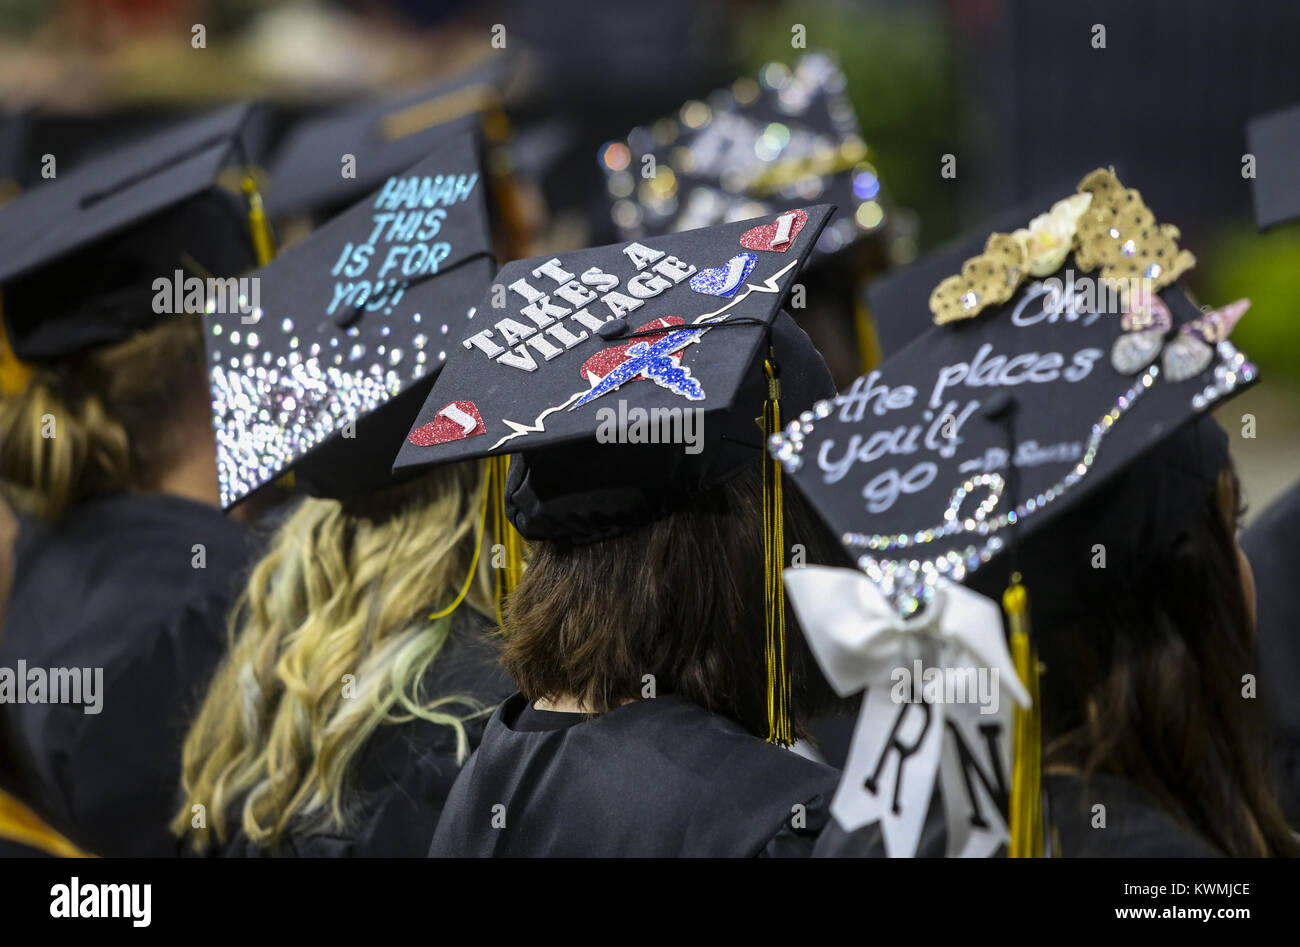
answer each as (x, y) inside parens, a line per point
(79, 254)
(112, 586)
(1135, 826)
(587, 492)
(1274, 140)
(404, 773)
(654, 778)
(1271, 546)
(1138, 516)
(869, 842)
(383, 137)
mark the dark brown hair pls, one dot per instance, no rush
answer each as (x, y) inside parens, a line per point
(1149, 688)
(681, 599)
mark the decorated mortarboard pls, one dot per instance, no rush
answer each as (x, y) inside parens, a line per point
(81, 254)
(628, 380)
(761, 146)
(671, 323)
(1057, 401)
(1274, 140)
(325, 374)
(331, 161)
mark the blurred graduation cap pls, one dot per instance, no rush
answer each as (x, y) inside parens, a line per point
(759, 147)
(383, 138)
(670, 324)
(325, 374)
(1059, 398)
(79, 254)
(1274, 140)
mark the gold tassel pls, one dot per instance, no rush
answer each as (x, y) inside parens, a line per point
(505, 538)
(258, 226)
(14, 372)
(1026, 815)
(778, 677)
(473, 562)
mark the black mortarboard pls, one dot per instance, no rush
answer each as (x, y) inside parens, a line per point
(351, 325)
(307, 172)
(884, 473)
(759, 147)
(671, 324)
(1274, 140)
(1058, 402)
(79, 255)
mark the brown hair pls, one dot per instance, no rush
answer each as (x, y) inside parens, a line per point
(680, 599)
(1148, 687)
(106, 421)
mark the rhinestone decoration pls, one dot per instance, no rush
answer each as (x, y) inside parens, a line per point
(909, 583)
(265, 419)
(271, 407)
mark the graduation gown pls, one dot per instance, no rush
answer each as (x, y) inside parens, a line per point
(1270, 544)
(114, 586)
(1136, 827)
(653, 778)
(403, 774)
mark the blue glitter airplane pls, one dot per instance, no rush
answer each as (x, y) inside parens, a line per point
(655, 362)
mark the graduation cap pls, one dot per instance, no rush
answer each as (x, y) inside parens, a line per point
(1058, 399)
(1274, 140)
(80, 254)
(628, 380)
(761, 146)
(382, 138)
(324, 370)
(671, 324)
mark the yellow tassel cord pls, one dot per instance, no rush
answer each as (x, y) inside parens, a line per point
(1026, 816)
(506, 541)
(19, 824)
(13, 371)
(778, 677)
(259, 227)
(473, 562)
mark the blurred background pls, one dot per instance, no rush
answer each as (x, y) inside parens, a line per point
(737, 107)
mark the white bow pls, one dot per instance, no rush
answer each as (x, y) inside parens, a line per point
(956, 647)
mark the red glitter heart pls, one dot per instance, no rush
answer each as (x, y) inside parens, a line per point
(760, 238)
(606, 360)
(451, 423)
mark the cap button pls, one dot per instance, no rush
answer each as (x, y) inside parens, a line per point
(613, 329)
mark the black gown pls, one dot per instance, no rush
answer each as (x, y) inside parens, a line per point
(405, 771)
(654, 778)
(1270, 544)
(113, 585)
(1136, 827)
